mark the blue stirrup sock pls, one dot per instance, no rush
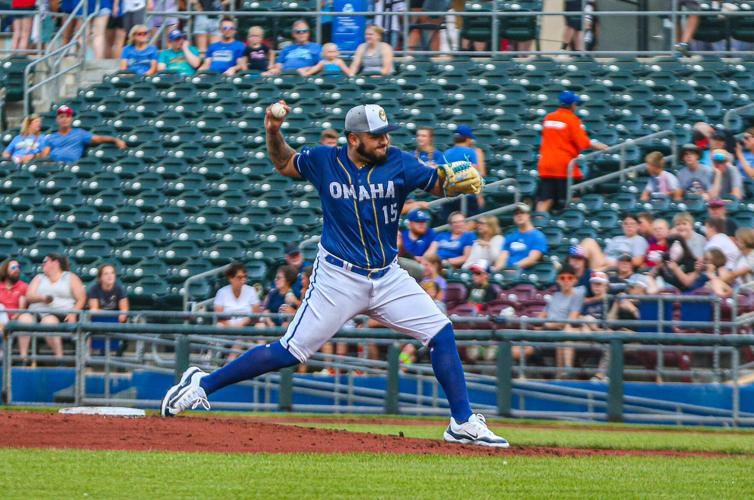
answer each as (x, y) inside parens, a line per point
(261, 359)
(449, 372)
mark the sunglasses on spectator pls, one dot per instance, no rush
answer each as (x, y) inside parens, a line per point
(229, 28)
(567, 278)
(301, 31)
(141, 33)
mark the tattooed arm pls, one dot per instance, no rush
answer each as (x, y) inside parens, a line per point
(280, 153)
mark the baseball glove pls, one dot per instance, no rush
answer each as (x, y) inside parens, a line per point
(460, 177)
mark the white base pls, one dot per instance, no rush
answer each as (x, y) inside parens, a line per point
(108, 411)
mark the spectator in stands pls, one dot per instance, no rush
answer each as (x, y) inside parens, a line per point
(675, 266)
(745, 153)
(329, 137)
(106, 295)
(718, 209)
(430, 24)
(206, 28)
(579, 262)
(180, 57)
(661, 182)
(28, 143)
(258, 55)
(433, 290)
(67, 144)
(579, 33)
(463, 150)
(373, 57)
(156, 22)
(683, 228)
(239, 298)
(433, 273)
(115, 35)
(717, 239)
(598, 305)
(281, 298)
(414, 241)
(631, 243)
(563, 139)
(646, 220)
(133, 13)
(525, 246)
(481, 292)
(712, 273)
(564, 305)
(56, 289)
(659, 245)
(300, 54)
(743, 274)
(489, 243)
(624, 271)
(391, 25)
(329, 63)
(727, 178)
(454, 246)
(295, 259)
(694, 177)
(22, 24)
(12, 289)
(227, 55)
(139, 56)
(685, 31)
(425, 147)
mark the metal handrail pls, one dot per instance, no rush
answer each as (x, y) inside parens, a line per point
(621, 147)
(197, 277)
(735, 111)
(71, 19)
(58, 52)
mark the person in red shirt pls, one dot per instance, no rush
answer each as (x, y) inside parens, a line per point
(12, 289)
(563, 139)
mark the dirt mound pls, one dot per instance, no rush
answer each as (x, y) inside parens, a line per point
(237, 435)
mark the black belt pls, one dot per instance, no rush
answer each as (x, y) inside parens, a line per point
(374, 274)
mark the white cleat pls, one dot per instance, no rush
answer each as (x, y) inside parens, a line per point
(187, 394)
(474, 431)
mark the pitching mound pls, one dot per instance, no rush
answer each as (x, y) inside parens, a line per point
(236, 435)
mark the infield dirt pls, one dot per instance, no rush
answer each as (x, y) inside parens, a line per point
(243, 435)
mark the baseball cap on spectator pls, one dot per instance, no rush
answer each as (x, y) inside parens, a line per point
(625, 257)
(65, 110)
(567, 98)
(465, 131)
(716, 203)
(693, 148)
(176, 34)
(522, 207)
(479, 267)
(598, 277)
(292, 249)
(418, 216)
(719, 135)
(369, 118)
(719, 155)
(637, 280)
(577, 251)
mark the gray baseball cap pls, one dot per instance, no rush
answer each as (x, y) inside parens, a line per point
(369, 118)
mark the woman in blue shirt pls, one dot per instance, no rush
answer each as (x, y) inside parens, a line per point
(425, 147)
(138, 56)
(28, 143)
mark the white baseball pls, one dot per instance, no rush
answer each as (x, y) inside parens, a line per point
(278, 110)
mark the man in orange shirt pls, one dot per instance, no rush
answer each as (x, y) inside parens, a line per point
(563, 138)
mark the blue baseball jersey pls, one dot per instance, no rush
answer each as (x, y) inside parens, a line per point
(417, 247)
(361, 206)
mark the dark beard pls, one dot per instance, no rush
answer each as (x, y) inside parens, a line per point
(372, 158)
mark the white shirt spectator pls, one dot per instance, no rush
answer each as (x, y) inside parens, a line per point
(635, 246)
(746, 262)
(487, 254)
(665, 183)
(241, 304)
(725, 244)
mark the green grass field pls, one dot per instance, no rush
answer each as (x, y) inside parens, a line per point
(110, 474)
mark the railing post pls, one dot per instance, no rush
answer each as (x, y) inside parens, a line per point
(285, 392)
(182, 351)
(7, 362)
(504, 378)
(615, 385)
(79, 367)
(392, 404)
